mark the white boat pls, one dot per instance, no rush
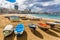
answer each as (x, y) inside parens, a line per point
(8, 30)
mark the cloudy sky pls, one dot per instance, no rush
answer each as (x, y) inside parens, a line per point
(34, 5)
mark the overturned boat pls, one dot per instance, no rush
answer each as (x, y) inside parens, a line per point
(8, 30)
(19, 29)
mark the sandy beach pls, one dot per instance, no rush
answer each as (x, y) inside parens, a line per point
(39, 34)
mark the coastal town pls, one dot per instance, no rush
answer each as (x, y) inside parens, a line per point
(26, 24)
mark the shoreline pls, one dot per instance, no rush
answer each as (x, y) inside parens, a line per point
(29, 16)
(46, 18)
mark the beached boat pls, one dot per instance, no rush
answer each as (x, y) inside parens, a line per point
(34, 19)
(53, 24)
(32, 26)
(14, 18)
(43, 26)
(19, 29)
(8, 30)
(24, 18)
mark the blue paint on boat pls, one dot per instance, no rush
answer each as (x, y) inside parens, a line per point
(19, 28)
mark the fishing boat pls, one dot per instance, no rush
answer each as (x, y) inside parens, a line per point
(19, 29)
(14, 18)
(44, 26)
(24, 18)
(32, 26)
(53, 24)
(8, 30)
(34, 19)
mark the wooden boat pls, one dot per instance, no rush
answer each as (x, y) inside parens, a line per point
(19, 29)
(24, 18)
(44, 26)
(8, 30)
(32, 26)
(53, 24)
(34, 19)
(14, 18)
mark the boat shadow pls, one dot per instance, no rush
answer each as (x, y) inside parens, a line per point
(22, 37)
(50, 33)
(10, 37)
(57, 30)
(36, 33)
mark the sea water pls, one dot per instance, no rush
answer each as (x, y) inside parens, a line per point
(46, 16)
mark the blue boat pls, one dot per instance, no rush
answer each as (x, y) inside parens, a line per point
(19, 29)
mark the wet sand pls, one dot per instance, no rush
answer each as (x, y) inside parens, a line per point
(39, 34)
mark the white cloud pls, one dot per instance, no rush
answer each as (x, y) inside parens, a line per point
(9, 5)
(50, 3)
(36, 9)
(30, 5)
(57, 1)
(22, 6)
(20, 1)
(6, 4)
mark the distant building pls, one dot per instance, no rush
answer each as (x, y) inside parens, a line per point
(4, 10)
(16, 6)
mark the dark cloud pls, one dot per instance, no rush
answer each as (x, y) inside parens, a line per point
(32, 1)
(36, 3)
(52, 8)
(44, 0)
